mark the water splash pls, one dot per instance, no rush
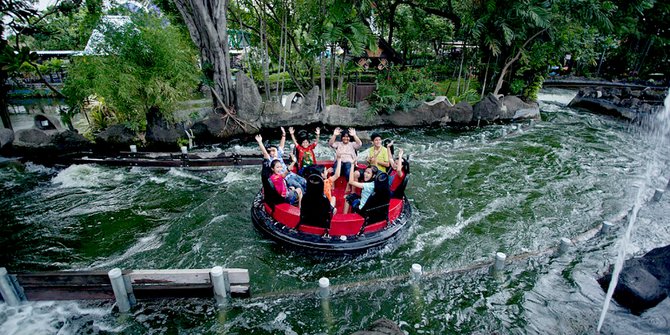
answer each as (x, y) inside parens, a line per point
(659, 131)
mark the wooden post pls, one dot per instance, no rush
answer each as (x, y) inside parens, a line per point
(119, 288)
(219, 279)
(7, 289)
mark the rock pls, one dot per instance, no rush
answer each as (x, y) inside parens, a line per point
(488, 109)
(213, 128)
(161, 134)
(70, 141)
(461, 113)
(249, 100)
(350, 117)
(643, 282)
(519, 109)
(312, 102)
(426, 114)
(31, 138)
(6, 138)
(381, 327)
(115, 138)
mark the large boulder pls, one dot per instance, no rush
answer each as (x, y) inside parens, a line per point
(488, 109)
(70, 141)
(350, 117)
(214, 127)
(426, 114)
(6, 138)
(161, 134)
(249, 100)
(115, 138)
(312, 102)
(461, 113)
(519, 109)
(381, 327)
(32, 138)
(643, 282)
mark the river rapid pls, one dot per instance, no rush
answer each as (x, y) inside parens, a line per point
(516, 189)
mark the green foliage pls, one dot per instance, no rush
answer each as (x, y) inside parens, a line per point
(401, 90)
(139, 66)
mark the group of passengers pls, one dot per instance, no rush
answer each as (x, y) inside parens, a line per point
(382, 176)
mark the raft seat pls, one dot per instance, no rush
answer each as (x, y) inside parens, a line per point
(286, 214)
(346, 224)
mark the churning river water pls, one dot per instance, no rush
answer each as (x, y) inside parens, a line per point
(474, 192)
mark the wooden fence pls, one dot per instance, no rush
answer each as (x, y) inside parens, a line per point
(130, 285)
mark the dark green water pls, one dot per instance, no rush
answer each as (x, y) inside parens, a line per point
(474, 193)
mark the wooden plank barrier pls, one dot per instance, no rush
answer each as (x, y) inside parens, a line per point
(139, 284)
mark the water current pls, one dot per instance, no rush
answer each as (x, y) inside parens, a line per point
(474, 192)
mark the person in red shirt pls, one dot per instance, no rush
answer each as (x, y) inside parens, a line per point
(400, 168)
(292, 195)
(306, 156)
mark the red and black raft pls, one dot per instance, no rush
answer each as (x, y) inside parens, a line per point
(315, 228)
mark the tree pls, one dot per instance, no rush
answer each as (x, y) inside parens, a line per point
(207, 23)
(146, 64)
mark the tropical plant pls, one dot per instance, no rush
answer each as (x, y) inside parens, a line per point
(146, 64)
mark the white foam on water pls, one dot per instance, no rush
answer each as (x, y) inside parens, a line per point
(179, 173)
(37, 168)
(235, 176)
(79, 176)
(562, 97)
(53, 317)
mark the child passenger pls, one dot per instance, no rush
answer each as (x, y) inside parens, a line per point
(277, 152)
(305, 150)
(400, 168)
(355, 201)
(329, 184)
(292, 195)
(377, 154)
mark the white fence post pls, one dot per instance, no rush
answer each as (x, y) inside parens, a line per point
(7, 289)
(119, 287)
(324, 287)
(218, 277)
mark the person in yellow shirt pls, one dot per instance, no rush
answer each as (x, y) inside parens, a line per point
(377, 154)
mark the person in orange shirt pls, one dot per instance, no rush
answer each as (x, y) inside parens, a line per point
(329, 183)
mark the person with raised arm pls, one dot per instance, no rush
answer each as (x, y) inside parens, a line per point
(345, 150)
(305, 150)
(273, 152)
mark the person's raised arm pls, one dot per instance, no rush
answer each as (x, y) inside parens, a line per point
(336, 132)
(317, 132)
(352, 132)
(292, 132)
(353, 182)
(390, 155)
(399, 164)
(259, 139)
(283, 139)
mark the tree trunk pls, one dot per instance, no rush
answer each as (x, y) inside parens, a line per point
(332, 72)
(392, 10)
(207, 24)
(323, 82)
(503, 72)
